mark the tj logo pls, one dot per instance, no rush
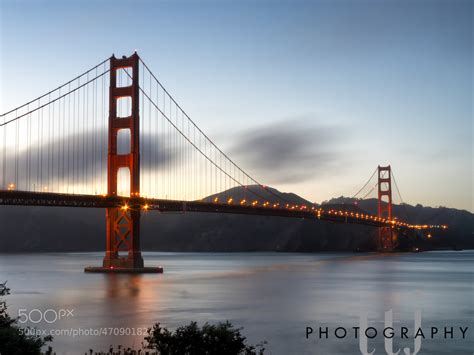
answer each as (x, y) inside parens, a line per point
(388, 335)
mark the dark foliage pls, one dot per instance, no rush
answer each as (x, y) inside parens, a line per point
(210, 339)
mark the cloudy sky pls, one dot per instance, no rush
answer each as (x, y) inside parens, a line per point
(308, 96)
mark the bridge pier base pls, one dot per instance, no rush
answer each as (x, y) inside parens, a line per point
(386, 240)
(123, 235)
(133, 259)
(123, 270)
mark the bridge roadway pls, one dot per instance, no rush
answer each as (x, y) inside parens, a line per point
(49, 199)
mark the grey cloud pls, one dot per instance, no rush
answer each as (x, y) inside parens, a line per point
(290, 151)
(78, 159)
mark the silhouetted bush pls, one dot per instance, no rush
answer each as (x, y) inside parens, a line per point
(218, 339)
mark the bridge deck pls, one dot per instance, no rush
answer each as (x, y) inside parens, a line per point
(24, 198)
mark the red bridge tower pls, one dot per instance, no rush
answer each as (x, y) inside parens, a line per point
(123, 223)
(386, 238)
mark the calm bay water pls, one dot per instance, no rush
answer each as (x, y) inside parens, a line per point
(274, 296)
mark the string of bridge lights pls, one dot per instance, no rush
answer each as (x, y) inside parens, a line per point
(318, 211)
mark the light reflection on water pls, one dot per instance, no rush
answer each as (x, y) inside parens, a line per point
(274, 296)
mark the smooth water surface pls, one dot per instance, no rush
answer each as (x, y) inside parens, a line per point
(274, 296)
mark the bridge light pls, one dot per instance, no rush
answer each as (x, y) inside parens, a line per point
(11, 187)
(146, 207)
(254, 203)
(125, 207)
(216, 199)
(242, 202)
(229, 201)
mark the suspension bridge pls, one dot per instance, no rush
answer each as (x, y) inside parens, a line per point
(114, 138)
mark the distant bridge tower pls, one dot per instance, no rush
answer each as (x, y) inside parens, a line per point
(123, 224)
(386, 238)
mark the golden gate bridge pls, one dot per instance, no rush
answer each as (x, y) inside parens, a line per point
(114, 138)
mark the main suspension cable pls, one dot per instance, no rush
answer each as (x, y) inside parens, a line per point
(363, 187)
(210, 141)
(52, 101)
(59, 87)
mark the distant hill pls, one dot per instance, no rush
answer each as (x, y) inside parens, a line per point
(40, 229)
(255, 192)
